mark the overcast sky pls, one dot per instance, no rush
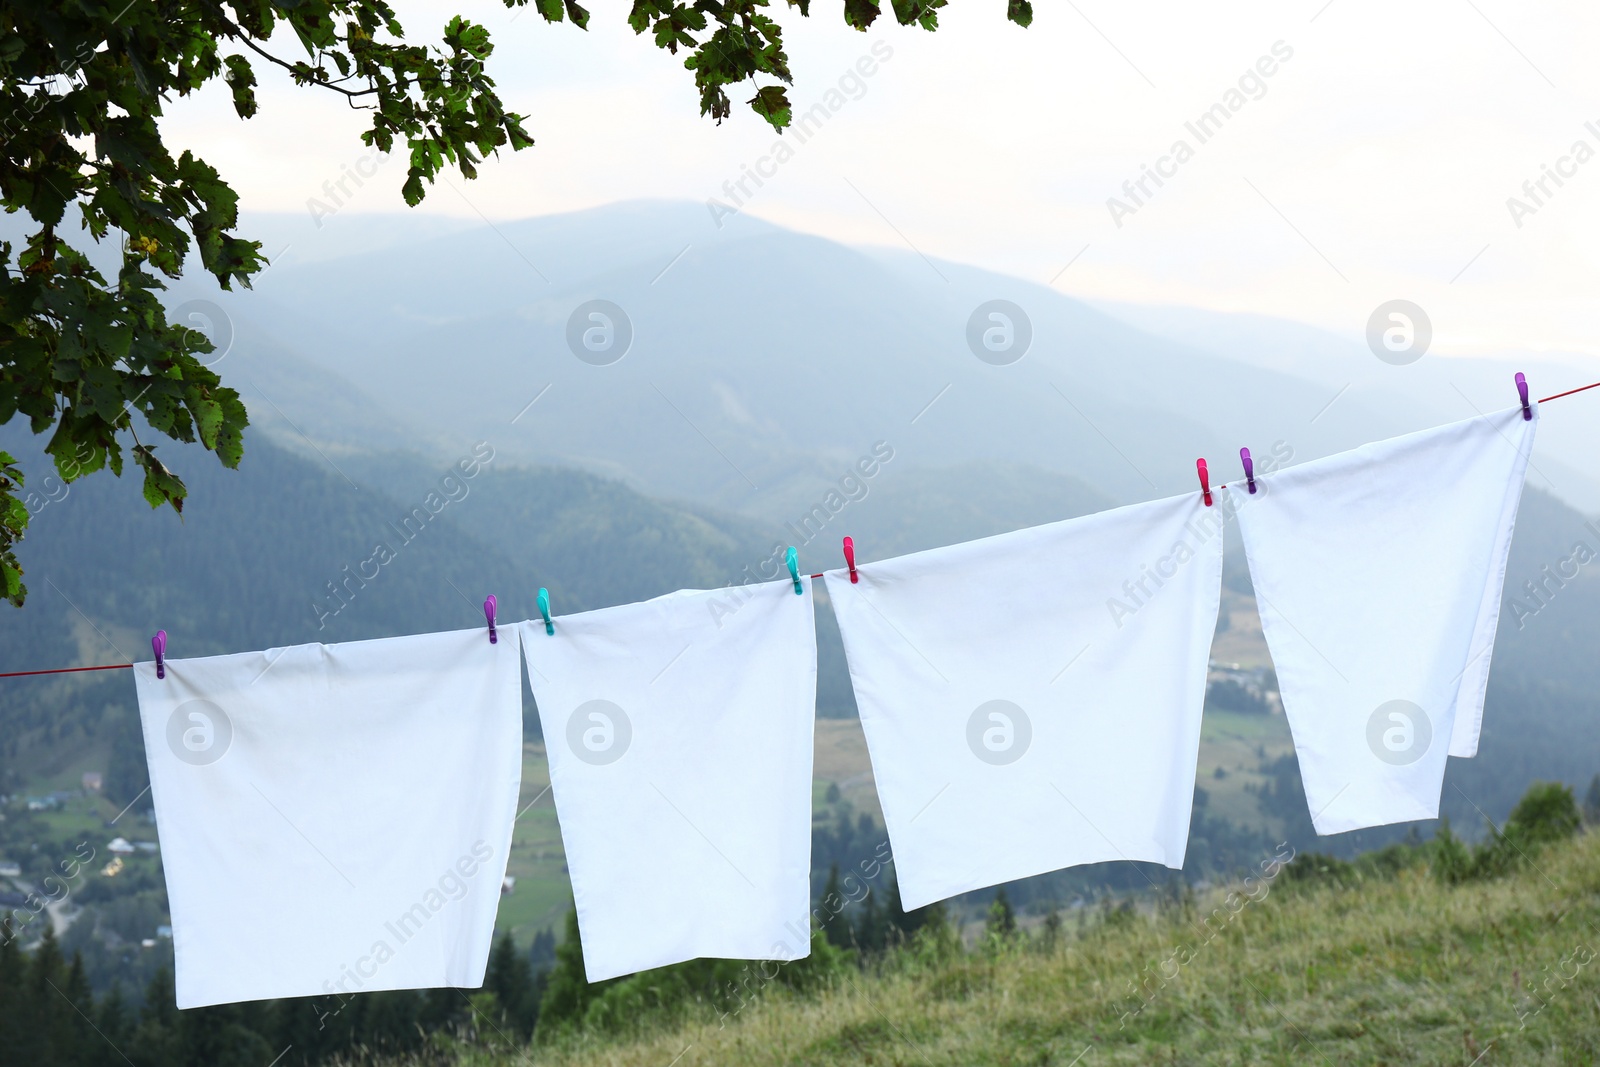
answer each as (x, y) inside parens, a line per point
(1374, 163)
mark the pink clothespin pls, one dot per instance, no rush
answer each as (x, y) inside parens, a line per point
(1522, 391)
(158, 645)
(850, 559)
(1249, 468)
(490, 606)
(1205, 480)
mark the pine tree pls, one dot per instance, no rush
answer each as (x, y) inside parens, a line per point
(112, 1018)
(156, 1040)
(834, 924)
(511, 980)
(1052, 930)
(542, 953)
(47, 1037)
(871, 927)
(1002, 919)
(568, 991)
(907, 923)
(15, 1007)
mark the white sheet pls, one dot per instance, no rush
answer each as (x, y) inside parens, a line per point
(1032, 701)
(679, 733)
(1378, 574)
(334, 818)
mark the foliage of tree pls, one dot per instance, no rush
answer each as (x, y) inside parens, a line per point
(94, 361)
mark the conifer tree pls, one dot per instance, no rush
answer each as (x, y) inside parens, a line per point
(835, 927)
(1002, 920)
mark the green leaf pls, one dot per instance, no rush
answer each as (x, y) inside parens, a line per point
(161, 486)
(242, 80)
(772, 104)
(230, 435)
(1020, 12)
(859, 14)
(13, 524)
(923, 12)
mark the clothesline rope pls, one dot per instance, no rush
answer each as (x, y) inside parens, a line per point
(125, 666)
(69, 670)
(1569, 392)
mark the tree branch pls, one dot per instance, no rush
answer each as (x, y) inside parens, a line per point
(239, 34)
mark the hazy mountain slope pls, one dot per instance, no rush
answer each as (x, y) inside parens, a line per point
(765, 361)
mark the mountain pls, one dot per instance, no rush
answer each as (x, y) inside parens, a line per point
(764, 362)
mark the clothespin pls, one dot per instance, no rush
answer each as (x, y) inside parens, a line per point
(1249, 468)
(1205, 480)
(1522, 391)
(490, 606)
(158, 645)
(544, 609)
(850, 559)
(792, 558)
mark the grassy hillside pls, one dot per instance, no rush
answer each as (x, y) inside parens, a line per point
(1319, 963)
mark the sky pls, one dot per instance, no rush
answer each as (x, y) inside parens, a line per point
(1368, 156)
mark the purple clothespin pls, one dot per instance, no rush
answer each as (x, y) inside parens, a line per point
(1522, 391)
(490, 606)
(158, 645)
(1249, 468)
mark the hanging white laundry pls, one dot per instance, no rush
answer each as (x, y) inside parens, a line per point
(334, 819)
(1032, 701)
(1378, 574)
(679, 734)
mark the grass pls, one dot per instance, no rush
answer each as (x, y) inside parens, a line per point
(1394, 968)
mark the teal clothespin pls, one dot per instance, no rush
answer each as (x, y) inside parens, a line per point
(544, 609)
(792, 558)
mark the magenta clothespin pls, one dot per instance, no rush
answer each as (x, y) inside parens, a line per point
(490, 606)
(850, 559)
(158, 645)
(1522, 391)
(1249, 468)
(1205, 480)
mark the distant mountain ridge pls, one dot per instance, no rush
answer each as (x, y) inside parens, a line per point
(763, 361)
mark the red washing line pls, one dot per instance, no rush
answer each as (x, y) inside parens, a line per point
(1569, 392)
(125, 666)
(69, 670)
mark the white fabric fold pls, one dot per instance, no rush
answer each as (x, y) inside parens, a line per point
(334, 818)
(679, 733)
(1378, 575)
(1032, 701)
